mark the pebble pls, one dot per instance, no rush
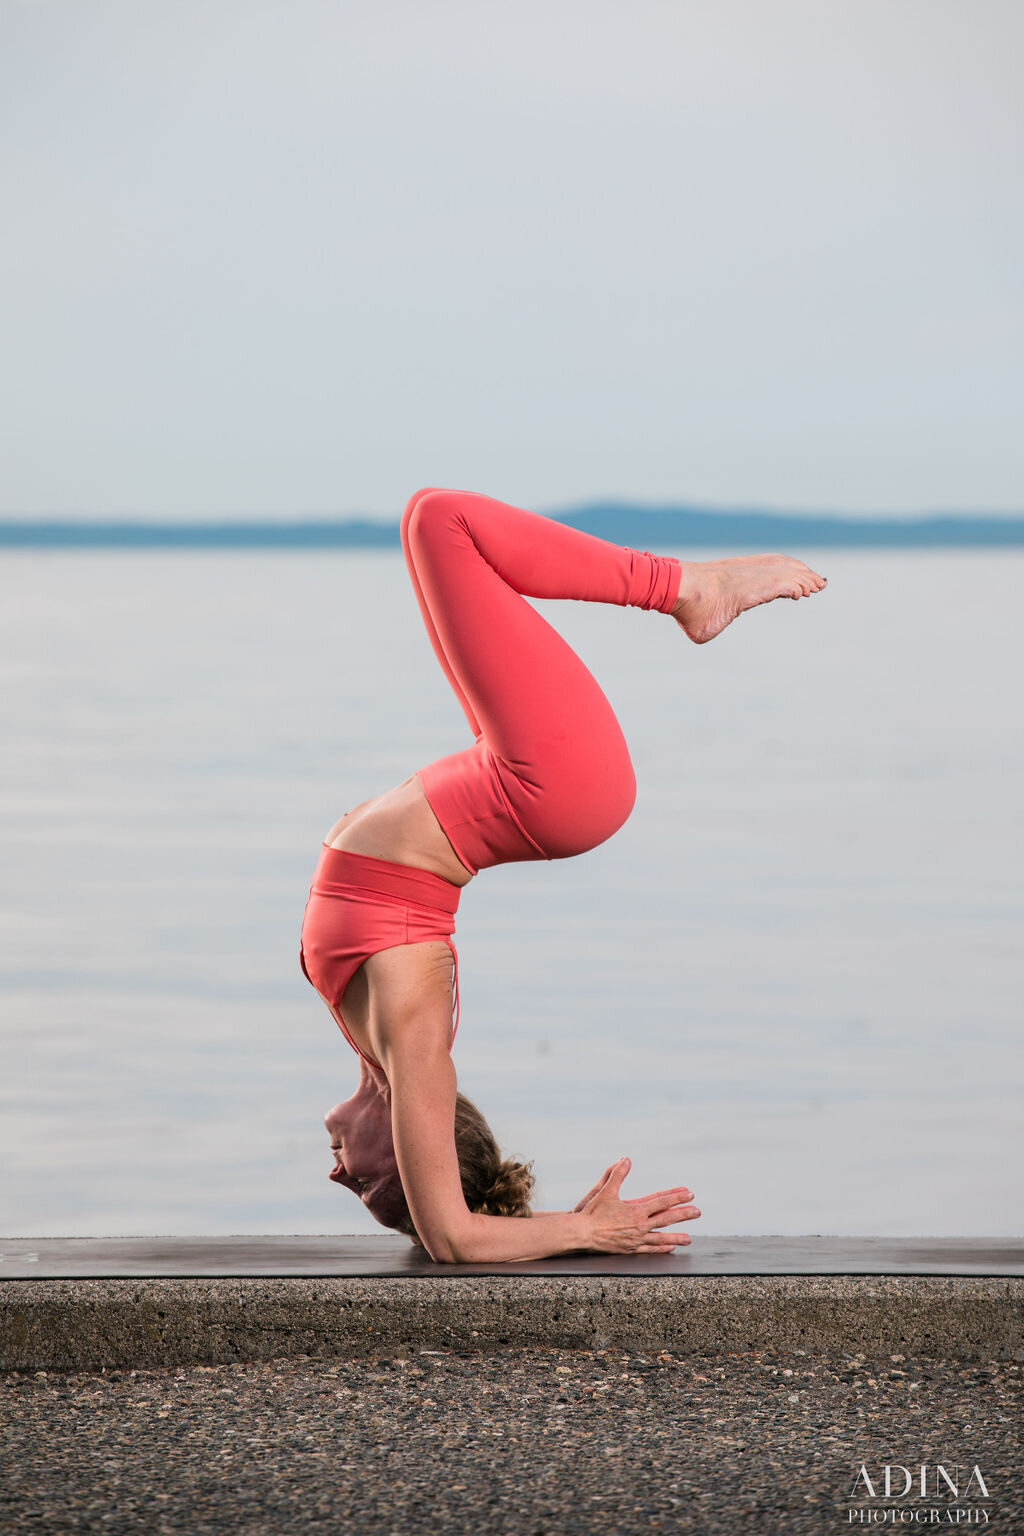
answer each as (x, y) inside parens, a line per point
(532, 1443)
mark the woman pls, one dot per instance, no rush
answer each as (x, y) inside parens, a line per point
(548, 776)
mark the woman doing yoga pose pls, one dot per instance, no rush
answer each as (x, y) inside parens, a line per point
(548, 776)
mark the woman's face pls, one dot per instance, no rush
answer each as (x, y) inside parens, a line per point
(364, 1151)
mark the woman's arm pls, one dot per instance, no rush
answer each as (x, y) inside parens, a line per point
(422, 1124)
(422, 1080)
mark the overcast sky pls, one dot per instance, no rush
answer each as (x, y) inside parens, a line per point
(305, 256)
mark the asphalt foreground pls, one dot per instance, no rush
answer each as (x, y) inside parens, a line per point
(526, 1441)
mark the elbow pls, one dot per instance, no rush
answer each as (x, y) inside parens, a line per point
(439, 1250)
(443, 1253)
(449, 1247)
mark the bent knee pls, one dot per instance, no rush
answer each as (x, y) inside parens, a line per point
(410, 506)
(426, 502)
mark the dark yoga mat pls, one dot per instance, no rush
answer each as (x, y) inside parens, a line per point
(119, 1258)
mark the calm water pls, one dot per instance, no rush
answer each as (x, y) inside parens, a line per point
(793, 980)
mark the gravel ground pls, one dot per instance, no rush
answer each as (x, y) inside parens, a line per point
(529, 1442)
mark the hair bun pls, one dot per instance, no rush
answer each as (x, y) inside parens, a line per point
(508, 1193)
(491, 1184)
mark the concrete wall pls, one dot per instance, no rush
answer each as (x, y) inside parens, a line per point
(89, 1324)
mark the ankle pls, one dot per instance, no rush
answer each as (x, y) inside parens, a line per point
(693, 585)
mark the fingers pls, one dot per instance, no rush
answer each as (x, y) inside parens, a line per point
(662, 1242)
(591, 1194)
(674, 1213)
(662, 1198)
(603, 1180)
(633, 1226)
(616, 1173)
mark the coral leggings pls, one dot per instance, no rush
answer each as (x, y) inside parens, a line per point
(549, 774)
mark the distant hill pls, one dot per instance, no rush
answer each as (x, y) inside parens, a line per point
(755, 530)
(640, 527)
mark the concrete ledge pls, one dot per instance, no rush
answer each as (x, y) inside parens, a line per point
(89, 1324)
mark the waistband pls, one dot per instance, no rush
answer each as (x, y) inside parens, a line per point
(340, 868)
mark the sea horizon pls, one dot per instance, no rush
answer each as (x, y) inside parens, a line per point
(678, 525)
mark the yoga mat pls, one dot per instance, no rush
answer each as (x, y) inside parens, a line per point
(57, 1258)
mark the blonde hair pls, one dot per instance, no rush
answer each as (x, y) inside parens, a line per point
(492, 1185)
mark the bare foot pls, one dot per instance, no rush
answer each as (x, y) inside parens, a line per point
(714, 592)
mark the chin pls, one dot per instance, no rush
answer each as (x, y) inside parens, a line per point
(388, 1208)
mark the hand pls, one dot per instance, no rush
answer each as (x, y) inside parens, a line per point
(631, 1226)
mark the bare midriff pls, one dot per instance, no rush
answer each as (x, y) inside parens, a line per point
(400, 825)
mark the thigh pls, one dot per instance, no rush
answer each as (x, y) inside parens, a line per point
(426, 615)
(539, 709)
